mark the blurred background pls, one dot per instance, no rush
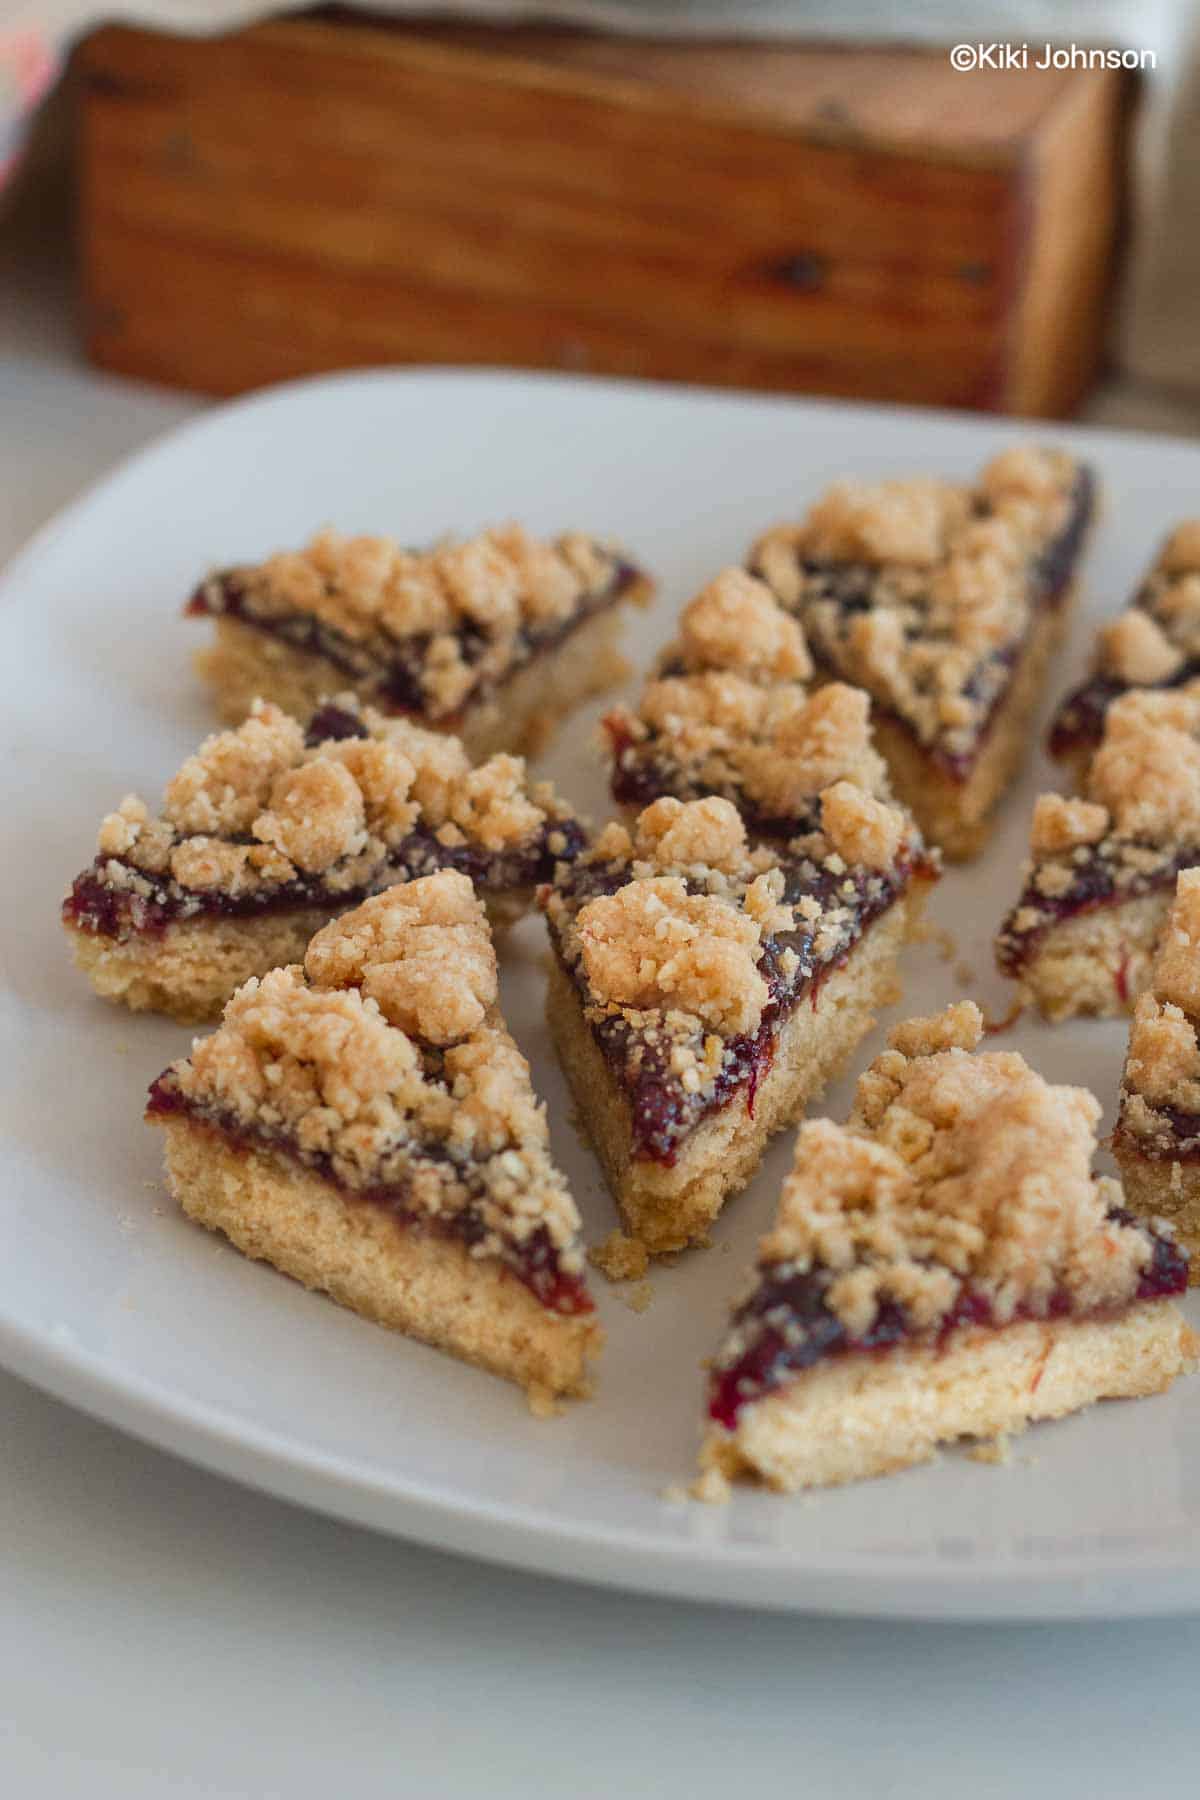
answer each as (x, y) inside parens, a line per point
(783, 195)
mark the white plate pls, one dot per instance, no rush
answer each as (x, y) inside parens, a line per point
(110, 1300)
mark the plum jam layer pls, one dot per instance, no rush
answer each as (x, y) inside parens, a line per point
(100, 905)
(1079, 721)
(1100, 881)
(652, 772)
(534, 1260)
(787, 1325)
(391, 668)
(662, 1110)
(1176, 1140)
(851, 589)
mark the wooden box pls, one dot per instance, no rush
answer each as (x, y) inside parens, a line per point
(316, 193)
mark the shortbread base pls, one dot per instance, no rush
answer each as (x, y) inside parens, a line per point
(189, 970)
(670, 1208)
(1099, 962)
(428, 1287)
(857, 1416)
(960, 815)
(521, 716)
(1160, 1188)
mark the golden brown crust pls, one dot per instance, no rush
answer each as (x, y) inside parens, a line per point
(428, 1287)
(861, 1416)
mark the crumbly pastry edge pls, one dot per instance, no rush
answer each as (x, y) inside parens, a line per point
(863, 1415)
(670, 1208)
(192, 967)
(521, 715)
(427, 1287)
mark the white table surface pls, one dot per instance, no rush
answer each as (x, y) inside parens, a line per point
(163, 1632)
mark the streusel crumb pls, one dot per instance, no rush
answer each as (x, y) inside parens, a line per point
(1147, 769)
(1060, 824)
(860, 828)
(675, 834)
(1135, 648)
(620, 1258)
(257, 808)
(894, 521)
(423, 954)
(652, 944)
(1177, 964)
(736, 624)
(1181, 554)
(956, 1169)
(493, 580)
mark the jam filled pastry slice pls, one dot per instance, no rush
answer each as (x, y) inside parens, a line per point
(496, 639)
(705, 988)
(944, 1266)
(1157, 1139)
(268, 832)
(1102, 868)
(366, 1124)
(1154, 643)
(946, 602)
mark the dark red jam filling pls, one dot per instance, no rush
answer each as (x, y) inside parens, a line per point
(394, 677)
(1182, 1127)
(534, 1261)
(652, 772)
(851, 587)
(333, 724)
(1079, 721)
(663, 1111)
(1095, 886)
(96, 905)
(787, 1325)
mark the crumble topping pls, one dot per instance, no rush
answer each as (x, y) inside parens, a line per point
(1176, 977)
(1135, 649)
(1147, 769)
(256, 809)
(652, 944)
(773, 748)
(463, 611)
(860, 828)
(888, 522)
(737, 625)
(1162, 1067)
(704, 832)
(921, 590)
(382, 1061)
(1061, 824)
(424, 955)
(956, 1171)
(1181, 553)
